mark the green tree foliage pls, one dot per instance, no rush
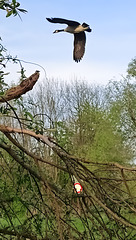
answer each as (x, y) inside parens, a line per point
(11, 7)
(123, 102)
(132, 68)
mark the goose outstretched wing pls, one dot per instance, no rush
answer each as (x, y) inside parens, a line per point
(63, 21)
(79, 46)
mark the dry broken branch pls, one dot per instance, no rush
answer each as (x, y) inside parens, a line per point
(96, 190)
(25, 86)
(62, 153)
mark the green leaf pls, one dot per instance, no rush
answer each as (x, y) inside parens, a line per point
(9, 13)
(14, 2)
(22, 10)
(28, 114)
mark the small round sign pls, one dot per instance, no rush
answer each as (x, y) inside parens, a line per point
(78, 187)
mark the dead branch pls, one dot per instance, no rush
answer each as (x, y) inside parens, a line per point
(25, 86)
(19, 160)
(34, 156)
(37, 175)
(44, 139)
(76, 168)
(53, 145)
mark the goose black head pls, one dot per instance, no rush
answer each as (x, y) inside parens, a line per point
(56, 31)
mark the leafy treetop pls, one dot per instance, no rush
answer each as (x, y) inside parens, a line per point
(11, 7)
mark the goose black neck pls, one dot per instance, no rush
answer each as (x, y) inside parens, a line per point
(61, 30)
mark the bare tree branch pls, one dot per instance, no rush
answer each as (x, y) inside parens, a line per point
(25, 86)
(34, 156)
(92, 184)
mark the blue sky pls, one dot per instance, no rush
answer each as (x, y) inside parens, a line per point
(110, 46)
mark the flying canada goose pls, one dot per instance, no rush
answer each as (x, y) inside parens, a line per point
(79, 35)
